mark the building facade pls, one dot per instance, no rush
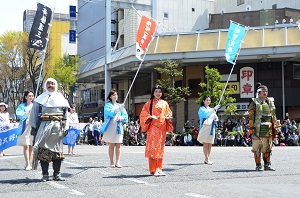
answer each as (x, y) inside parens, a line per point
(271, 52)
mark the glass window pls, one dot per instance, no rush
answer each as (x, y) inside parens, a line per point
(166, 15)
(296, 71)
(240, 2)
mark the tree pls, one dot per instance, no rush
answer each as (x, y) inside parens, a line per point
(32, 62)
(214, 88)
(173, 95)
(66, 70)
(13, 75)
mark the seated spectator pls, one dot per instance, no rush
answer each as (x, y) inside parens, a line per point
(188, 140)
(239, 140)
(168, 139)
(293, 127)
(228, 126)
(219, 139)
(187, 126)
(230, 140)
(195, 132)
(275, 141)
(281, 139)
(248, 138)
(178, 139)
(293, 139)
(237, 128)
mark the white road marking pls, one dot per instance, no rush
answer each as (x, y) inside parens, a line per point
(60, 186)
(75, 192)
(195, 195)
(71, 163)
(57, 185)
(140, 181)
(9, 157)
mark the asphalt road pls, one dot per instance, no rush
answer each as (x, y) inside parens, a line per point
(88, 174)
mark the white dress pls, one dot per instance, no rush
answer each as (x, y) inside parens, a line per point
(26, 139)
(205, 135)
(111, 136)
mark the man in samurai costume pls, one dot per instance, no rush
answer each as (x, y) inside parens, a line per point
(261, 121)
(48, 120)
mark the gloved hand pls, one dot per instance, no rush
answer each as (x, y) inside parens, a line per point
(120, 118)
(217, 107)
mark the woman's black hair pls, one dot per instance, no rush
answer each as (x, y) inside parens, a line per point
(71, 107)
(162, 91)
(26, 94)
(112, 92)
(202, 103)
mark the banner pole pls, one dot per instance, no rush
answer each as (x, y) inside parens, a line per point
(137, 71)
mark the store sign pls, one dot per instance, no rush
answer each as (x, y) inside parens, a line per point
(240, 106)
(90, 105)
(247, 82)
(235, 86)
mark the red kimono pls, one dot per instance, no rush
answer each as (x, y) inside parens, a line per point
(156, 133)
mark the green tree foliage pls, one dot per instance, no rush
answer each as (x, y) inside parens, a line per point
(174, 95)
(32, 60)
(66, 72)
(12, 72)
(214, 88)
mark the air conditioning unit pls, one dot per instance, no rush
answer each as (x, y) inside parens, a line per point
(248, 8)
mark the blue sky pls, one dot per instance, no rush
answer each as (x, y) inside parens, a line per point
(11, 11)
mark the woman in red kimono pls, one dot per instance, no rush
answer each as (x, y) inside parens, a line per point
(157, 122)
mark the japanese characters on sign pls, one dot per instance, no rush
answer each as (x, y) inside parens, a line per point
(233, 44)
(38, 32)
(247, 82)
(8, 135)
(144, 35)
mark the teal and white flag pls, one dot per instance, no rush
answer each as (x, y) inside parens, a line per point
(234, 38)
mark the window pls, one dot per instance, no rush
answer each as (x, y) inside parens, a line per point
(296, 71)
(86, 95)
(240, 2)
(194, 84)
(166, 15)
(193, 9)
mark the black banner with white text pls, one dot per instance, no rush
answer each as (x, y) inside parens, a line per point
(39, 29)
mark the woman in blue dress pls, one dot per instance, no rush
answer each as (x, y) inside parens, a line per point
(207, 117)
(115, 116)
(26, 139)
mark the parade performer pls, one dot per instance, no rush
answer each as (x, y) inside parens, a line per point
(4, 117)
(25, 139)
(261, 122)
(155, 118)
(115, 116)
(206, 136)
(72, 118)
(48, 119)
